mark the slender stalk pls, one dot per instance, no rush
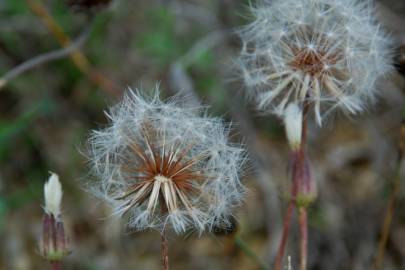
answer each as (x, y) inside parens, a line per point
(385, 230)
(294, 189)
(249, 252)
(56, 265)
(165, 251)
(284, 237)
(303, 220)
(303, 217)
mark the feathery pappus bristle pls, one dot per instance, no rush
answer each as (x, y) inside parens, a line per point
(163, 164)
(328, 53)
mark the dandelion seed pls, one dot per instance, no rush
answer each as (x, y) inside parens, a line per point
(329, 55)
(162, 164)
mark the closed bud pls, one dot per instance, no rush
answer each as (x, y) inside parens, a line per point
(305, 188)
(53, 246)
(54, 243)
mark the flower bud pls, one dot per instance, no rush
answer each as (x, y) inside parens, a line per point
(53, 245)
(54, 242)
(305, 188)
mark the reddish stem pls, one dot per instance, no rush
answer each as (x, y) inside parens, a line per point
(284, 237)
(294, 189)
(303, 220)
(56, 265)
(165, 251)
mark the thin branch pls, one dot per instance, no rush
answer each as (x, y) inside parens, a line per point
(249, 252)
(78, 58)
(64, 40)
(46, 57)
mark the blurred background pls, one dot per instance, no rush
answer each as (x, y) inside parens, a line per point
(83, 54)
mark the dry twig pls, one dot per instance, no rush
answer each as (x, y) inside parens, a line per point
(78, 58)
(46, 57)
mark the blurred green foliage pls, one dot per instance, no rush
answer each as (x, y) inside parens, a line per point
(12, 129)
(11, 7)
(158, 39)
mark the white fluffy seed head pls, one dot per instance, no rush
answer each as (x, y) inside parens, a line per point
(328, 53)
(53, 195)
(293, 125)
(163, 164)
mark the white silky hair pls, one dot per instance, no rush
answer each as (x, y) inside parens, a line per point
(293, 125)
(346, 31)
(53, 195)
(179, 126)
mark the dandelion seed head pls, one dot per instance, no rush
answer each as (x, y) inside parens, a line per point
(329, 54)
(166, 165)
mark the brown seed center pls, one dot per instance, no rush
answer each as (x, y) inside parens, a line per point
(313, 62)
(161, 178)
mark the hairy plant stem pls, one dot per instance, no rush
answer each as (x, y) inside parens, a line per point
(56, 265)
(303, 215)
(284, 237)
(292, 203)
(303, 220)
(165, 250)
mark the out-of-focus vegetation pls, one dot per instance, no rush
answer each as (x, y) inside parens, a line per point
(189, 47)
